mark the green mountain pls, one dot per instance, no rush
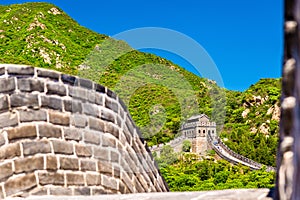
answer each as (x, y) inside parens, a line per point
(159, 94)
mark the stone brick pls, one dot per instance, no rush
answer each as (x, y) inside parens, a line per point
(2, 139)
(69, 163)
(91, 96)
(61, 191)
(5, 171)
(99, 88)
(29, 164)
(32, 115)
(1, 193)
(101, 153)
(79, 121)
(85, 83)
(111, 104)
(90, 109)
(34, 147)
(105, 167)
(109, 182)
(68, 79)
(7, 85)
(52, 102)
(83, 150)
(108, 141)
(19, 184)
(122, 188)
(48, 74)
(93, 179)
(117, 171)
(62, 147)
(75, 179)
(87, 165)
(30, 84)
(112, 129)
(73, 106)
(92, 137)
(53, 178)
(59, 118)
(9, 119)
(114, 157)
(2, 70)
(78, 93)
(96, 124)
(72, 134)
(83, 191)
(99, 99)
(107, 115)
(24, 99)
(128, 182)
(3, 103)
(10, 151)
(39, 191)
(99, 191)
(25, 131)
(56, 89)
(51, 162)
(49, 131)
(20, 70)
(111, 93)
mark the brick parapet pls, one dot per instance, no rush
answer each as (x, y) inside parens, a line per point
(64, 135)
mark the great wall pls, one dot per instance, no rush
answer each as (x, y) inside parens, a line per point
(64, 135)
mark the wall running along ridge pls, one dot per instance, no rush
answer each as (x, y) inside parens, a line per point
(64, 135)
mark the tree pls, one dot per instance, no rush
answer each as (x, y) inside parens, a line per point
(186, 146)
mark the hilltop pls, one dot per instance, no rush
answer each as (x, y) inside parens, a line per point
(42, 35)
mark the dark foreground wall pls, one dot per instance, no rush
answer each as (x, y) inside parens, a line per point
(62, 135)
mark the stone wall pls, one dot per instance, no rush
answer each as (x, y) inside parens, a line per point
(63, 135)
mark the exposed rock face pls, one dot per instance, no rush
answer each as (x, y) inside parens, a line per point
(63, 135)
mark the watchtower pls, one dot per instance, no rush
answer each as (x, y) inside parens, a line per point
(197, 129)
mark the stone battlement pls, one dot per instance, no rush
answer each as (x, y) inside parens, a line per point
(64, 135)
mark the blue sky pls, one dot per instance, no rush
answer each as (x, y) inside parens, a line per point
(243, 38)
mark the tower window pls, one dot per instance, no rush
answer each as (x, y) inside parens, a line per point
(203, 131)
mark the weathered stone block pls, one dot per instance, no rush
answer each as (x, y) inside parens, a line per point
(24, 99)
(112, 129)
(99, 99)
(54, 103)
(69, 163)
(75, 179)
(85, 83)
(2, 71)
(5, 171)
(19, 184)
(8, 119)
(84, 191)
(34, 147)
(90, 109)
(111, 104)
(83, 150)
(59, 118)
(53, 178)
(114, 157)
(7, 85)
(29, 164)
(10, 151)
(49, 131)
(109, 182)
(79, 121)
(51, 162)
(99, 191)
(61, 191)
(96, 124)
(117, 171)
(39, 191)
(30, 84)
(72, 134)
(78, 93)
(93, 179)
(3, 103)
(73, 106)
(1, 193)
(99, 88)
(92, 137)
(48, 74)
(101, 153)
(2, 139)
(25, 131)
(68, 79)
(105, 167)
(111, 93)
(128, 182)
(56, 88)
(32, 115)
(62, 147)
(107, 115)
(108, 141)
(20, 70)
(87, 165)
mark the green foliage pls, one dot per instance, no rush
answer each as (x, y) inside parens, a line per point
(167, 156)
(194, 175)
(186, 146)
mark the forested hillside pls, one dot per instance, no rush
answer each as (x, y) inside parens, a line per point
(42, 35)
